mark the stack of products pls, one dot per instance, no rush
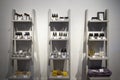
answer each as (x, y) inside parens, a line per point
(59, 73)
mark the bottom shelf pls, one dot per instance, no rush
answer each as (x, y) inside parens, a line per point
(21, 77)
(99, 78)
(58, 77)
(22, 58)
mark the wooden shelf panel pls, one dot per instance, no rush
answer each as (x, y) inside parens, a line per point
(98, 58)
(98, 21)
(21, 58)
(58, 77)
(22, 21)
(99, 78)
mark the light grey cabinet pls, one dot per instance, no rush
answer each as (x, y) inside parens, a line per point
(22, 51)
(97, 55)
(58, 46)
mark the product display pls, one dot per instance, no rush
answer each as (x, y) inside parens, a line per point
(58, 47)
(91, 52)
(27, 35)
(24, 16)
(94, 18)
(21, 53)
(103, 72)
(23, 35)
(100, 15)
(96, 31)
(64, 53)
(97, 36)
(18, 16)
(63, 18)
(27, 16)
(21, 56)
(58, 66)
(18, 35)
(20, 73)
(59, 54)
(56, 17)
(102, 36)
(59, 35)
(59, 73)
(91, 36)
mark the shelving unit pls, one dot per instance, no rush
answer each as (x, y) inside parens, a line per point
(96, 33)
(22, 57)
(58, 46)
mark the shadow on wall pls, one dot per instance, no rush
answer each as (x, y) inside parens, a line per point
(81, 74)
(37, 75)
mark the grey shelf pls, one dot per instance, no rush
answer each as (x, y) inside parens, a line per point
(98, 58)
(56, 43)
(59, 20)
(96, 42)
(97, 39)
(99, 21)
(58, 77)
(19, 61)
(58, 39)
(100, 78)
(22, 77)
(30, 21)
(59, 58)
(21, 58)
(23, 39)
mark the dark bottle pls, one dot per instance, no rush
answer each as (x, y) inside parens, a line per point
(65, 34)
(18, 33)
(63, 50)
(90, 35)
(27, 16)
(54, 34)
(101, 35)
(27, 33)
(95, 35)
(60, 35)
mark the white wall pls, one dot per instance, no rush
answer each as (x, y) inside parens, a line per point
(77, 27)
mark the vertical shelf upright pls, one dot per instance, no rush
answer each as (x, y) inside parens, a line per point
(21, 56)
(58, 46)
(97, 46)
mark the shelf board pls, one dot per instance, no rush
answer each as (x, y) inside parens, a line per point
(99, 78)
(98, 21)
(96, 32)
(20, 77)
(23, 52)
(60, 31)
(22, 20)
(22, 39)
(58, 77)
(59, 20)
(25, 31)
(98, 58)
(21, 58)
(59, 58)
(97, 39)
(59, 39)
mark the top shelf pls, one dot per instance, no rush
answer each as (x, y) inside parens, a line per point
(58, 17)
(21, 20)
(100, 17)
(67, 20)
(98, 21)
